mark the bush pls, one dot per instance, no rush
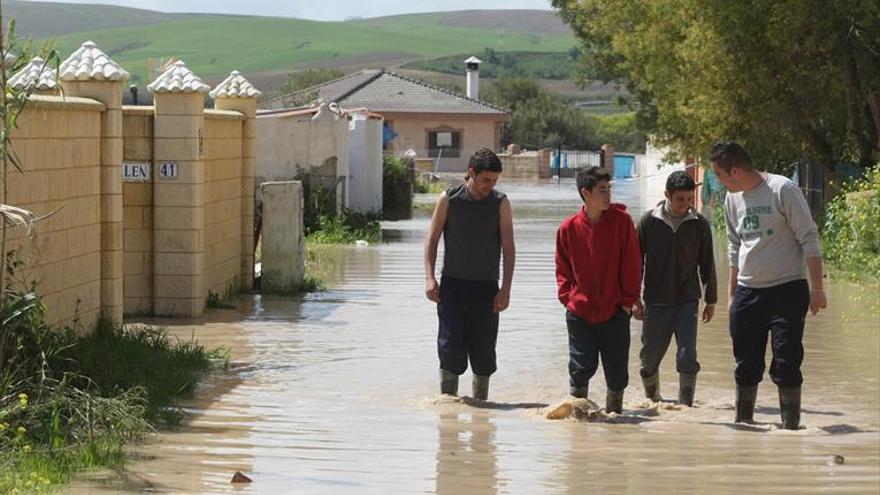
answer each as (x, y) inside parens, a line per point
(851, 227)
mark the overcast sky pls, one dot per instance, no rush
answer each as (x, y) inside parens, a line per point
(327, 10)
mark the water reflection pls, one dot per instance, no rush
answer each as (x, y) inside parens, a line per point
(466, 461)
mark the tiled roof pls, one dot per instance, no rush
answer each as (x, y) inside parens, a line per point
(386, 92)
(35, 74)
(88, 62)
(235, 86)
(178, 79)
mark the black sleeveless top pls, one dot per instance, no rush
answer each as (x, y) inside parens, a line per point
(472, 236)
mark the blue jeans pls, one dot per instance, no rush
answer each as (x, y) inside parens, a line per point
(587, 342)
(777, 312)
(660, 323)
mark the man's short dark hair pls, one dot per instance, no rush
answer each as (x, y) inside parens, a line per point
(483, 160)
(680, 181)
(588, 177)
(729, 154)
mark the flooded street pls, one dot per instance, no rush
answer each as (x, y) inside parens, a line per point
(338, 392)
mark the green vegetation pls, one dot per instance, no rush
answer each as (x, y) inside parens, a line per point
(70, 401)
(397, 189)
(496, 64)
(308, 78)
(851, 229)
(345, 228)
(620, 130)
(427, 186)
(539, 119)
(704, 71)
(269, 44)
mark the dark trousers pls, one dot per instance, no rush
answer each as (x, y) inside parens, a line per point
(468, 326)
(587, 342)
(779, 312)
(661, 322)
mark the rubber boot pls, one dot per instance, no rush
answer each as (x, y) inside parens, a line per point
(745, 403)
(580, 392)
(652, 386)
(614, 401)
(790, 407)
(686, 386)
(481, 387)
(448, 382)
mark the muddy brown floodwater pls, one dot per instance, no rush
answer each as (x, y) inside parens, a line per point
(337, 392)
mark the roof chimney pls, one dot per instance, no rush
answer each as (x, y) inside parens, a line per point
(473, 77)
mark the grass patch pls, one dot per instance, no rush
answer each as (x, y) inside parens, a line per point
(426, 186)
(345, 228)
(71, 401)
(270, 43)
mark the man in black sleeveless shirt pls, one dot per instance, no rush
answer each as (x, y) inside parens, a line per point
(476, 223)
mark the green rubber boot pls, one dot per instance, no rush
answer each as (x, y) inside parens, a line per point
(790, 407)
(614, 401)
(448, 382)
(687, 384)
(652, 386)
(745, 403)
(481, 387)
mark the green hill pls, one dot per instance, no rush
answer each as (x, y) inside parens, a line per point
(44, 19)
(267, 48)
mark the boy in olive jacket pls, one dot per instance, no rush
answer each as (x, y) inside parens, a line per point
(679, 268)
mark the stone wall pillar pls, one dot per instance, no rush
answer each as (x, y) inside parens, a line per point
(236, 93)
(90, 73)
(178, 193)
(283, 244)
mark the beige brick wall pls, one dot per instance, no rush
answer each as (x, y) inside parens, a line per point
(137, 214)
(66, 168)
(59, 144)
(223, 199)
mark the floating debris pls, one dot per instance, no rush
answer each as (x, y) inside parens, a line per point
(580, 409)
(239, 477)
(836, 459)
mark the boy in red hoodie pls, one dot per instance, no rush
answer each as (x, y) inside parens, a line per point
(598, 271)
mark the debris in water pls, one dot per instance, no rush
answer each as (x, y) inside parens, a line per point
(361, 243)
(239, 477)
(835, 459)
(580, 409)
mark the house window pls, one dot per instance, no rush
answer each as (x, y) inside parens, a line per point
(447, 141)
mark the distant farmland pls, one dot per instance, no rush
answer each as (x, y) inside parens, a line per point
(213, 45)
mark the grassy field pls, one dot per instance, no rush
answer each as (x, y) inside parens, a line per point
(213, 45)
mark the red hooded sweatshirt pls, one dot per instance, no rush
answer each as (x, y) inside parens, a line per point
(598, 266)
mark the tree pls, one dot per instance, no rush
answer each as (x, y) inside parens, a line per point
(790, 79)
(539, 118)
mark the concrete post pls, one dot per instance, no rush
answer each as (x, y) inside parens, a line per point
(178, 193)
(283, 244)
(608, 158)
(90, 73)
(236, 93)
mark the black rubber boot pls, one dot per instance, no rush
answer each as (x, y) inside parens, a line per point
(687, 384)
(481, 387)
(745, 403)
(614, 401)
(652, 386)
(790, 407)
(448, 382)
(580, 392)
